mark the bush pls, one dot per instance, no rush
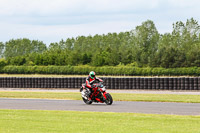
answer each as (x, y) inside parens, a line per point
(106, 70)
(3, 62)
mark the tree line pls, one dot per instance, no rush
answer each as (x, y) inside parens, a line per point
(143, 46)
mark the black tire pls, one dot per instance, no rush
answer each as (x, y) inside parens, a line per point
(109, 99)
(87, 101)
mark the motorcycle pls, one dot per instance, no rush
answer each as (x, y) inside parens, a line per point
(99, 94)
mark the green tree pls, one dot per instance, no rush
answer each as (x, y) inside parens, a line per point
(185, 39)
(18, 60)
(1, 49)
(145, 39)
(24, 46)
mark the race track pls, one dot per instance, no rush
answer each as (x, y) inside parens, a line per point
(117, 106)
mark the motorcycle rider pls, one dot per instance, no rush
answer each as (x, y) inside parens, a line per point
(90, 80)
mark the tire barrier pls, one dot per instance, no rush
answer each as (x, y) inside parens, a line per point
(180, 83)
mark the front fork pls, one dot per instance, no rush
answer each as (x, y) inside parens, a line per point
(104, 95)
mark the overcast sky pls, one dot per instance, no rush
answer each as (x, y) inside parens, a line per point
(53, 20)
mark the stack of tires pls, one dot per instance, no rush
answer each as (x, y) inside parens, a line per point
(179, 83)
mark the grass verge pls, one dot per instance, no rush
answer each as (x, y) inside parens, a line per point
(35, 121)
(116, 96)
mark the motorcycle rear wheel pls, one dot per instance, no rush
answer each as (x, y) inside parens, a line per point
(87, 101)
(109, 99)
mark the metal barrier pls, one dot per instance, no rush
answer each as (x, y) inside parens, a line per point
(182, 83)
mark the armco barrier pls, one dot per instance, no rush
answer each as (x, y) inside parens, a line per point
(179, 83)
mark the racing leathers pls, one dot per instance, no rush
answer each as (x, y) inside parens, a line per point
(89, 83)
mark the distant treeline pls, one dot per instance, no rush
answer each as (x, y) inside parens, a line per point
(140, 47)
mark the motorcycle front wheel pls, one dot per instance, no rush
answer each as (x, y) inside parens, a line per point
(109, 99)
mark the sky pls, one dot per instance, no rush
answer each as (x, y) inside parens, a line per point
(52, 20)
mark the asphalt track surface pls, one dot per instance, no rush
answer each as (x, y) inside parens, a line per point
(117, 106)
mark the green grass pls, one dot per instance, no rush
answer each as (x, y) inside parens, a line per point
(116, 96)
(41, 95)
(157, 97)
(35, 121)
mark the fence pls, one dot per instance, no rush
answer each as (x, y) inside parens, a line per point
(182, 83)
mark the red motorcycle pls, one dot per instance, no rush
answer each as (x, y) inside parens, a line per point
(99, 94)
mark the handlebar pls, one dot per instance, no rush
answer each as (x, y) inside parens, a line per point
(98, 84)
